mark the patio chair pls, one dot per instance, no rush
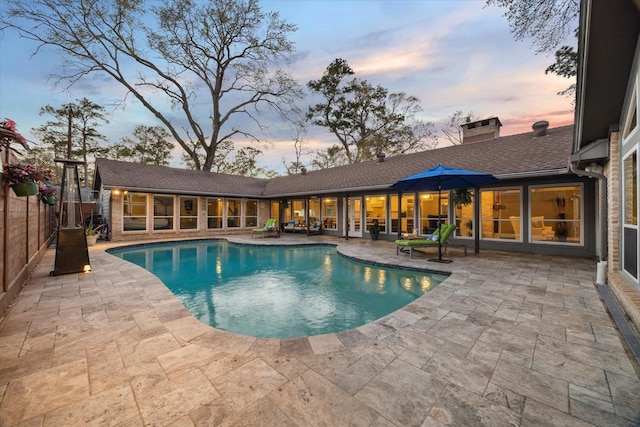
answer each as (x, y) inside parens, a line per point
(290, 226)
(269, 228)
(410, 245)
(315, 228)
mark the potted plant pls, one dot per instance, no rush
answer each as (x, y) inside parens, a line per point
(23, 178)
(374, 229)
(92, 232)
(48, 194)
(462, 196)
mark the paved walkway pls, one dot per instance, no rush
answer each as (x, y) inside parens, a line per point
(505, 340)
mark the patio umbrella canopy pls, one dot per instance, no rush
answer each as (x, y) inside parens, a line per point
(443, 178)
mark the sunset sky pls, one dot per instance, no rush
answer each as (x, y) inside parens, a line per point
(452, 55)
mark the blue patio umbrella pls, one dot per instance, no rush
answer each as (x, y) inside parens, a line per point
(443, 178)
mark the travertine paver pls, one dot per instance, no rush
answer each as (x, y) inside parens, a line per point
(507, 339)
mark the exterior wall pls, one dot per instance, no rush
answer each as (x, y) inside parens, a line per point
(587, 249)
(627, 296)
(115, 221)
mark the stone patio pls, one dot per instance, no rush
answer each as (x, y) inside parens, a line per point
(507, 339)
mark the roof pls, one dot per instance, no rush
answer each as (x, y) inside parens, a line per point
(162, 179)
(505, 157)
(606, 47)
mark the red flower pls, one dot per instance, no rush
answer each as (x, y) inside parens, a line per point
(9, 124)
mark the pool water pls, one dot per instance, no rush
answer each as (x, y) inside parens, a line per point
(276, 291)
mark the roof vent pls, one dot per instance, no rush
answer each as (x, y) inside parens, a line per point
(303, 171)
(540, 128)
(381, 157)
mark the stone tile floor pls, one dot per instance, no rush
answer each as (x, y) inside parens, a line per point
(507, 339)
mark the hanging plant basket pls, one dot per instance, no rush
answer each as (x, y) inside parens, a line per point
(462, 196)
(24, 189)
(49, 201)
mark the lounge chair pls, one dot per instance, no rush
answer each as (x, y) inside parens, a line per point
(290, 226)
(403, 245)
(269, 228)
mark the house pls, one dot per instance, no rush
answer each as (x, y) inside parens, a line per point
(537, 206)
(607, 138)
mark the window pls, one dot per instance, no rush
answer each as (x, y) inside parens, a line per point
(298, 211)
(234, 212)
(251, 213)
(630, 189)
(407, 214)
(162, 212)
(556, 214)
(376, 209)
(329, 213)
(134, 208)
(188, 213)
(314, 210)
(214, 213)
(464, 219)
(275, 210)
(432, 211)
(500, 214)
(631, 121)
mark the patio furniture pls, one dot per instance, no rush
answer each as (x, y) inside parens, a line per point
(316, 228)
(404, 245)
(268, 229)
(290, 226)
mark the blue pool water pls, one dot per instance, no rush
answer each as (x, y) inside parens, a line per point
(275, 291)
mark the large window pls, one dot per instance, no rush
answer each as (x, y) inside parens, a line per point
(376, 209)
(297, 208)
(630, 215)
(556, 214)
(500, 214)
(329, 213)
(314, 210)
(433, 210)
(188, 213)
(214, 213)
(234, 213)
(134, 212)
(162, 212)
(251, 213)
(630, 190)
(464, 219)
(405, 220)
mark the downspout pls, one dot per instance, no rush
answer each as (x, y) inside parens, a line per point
(602, 191)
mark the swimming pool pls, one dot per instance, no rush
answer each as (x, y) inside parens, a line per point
(277, 291)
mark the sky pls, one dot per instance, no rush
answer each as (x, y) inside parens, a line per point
(451, 54)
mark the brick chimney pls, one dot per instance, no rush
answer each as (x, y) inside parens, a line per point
(380, 157)
(481, 130)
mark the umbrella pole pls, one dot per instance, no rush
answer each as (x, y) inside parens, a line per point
(439, 259)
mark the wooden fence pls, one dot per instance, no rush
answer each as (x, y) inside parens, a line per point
(27, 227)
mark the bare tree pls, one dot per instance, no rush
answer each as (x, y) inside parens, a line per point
(216, 63)
(299, 130)
(452, 129)
(547, 22)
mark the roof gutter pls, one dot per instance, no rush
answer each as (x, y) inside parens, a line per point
(536, 174)
(181, 192)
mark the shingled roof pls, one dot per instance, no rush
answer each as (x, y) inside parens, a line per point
(504, 157)
(161, 179)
